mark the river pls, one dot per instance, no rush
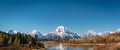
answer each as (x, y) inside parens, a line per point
(61, 46)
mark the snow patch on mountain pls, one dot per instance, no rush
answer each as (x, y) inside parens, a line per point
(62, 32)
(91, 33)
(36, 33)
(12, 32)
(118, 30)
(107, 33)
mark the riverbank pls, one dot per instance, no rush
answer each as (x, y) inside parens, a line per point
(109, 46)
(98, 46)
(46, 42)
(84, 44)
(20, 48)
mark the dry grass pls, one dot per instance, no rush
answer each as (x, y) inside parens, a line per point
(109, 46)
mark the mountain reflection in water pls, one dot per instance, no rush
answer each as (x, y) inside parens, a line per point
(61, 46)
(57, 47)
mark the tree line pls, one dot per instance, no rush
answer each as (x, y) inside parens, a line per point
(19, 39)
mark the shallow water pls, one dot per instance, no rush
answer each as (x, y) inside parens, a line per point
(61, 46)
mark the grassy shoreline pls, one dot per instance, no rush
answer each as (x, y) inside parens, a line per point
(84, 44)
(100, 46)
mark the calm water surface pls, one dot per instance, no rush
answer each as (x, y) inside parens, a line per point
(61, 46)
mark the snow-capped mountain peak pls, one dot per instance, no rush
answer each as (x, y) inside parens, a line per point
(62, 32)
(12, 32)
(107, 33)
(91, 33)
(35, 32)
(118, 30)
(60, 29)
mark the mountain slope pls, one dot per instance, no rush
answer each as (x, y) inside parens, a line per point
(36, 33)
(62, 33)
(91, 34)
(12, 32)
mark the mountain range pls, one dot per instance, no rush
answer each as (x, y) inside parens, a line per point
(62, 33)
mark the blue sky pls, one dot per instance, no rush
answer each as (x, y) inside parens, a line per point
(45, 15)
